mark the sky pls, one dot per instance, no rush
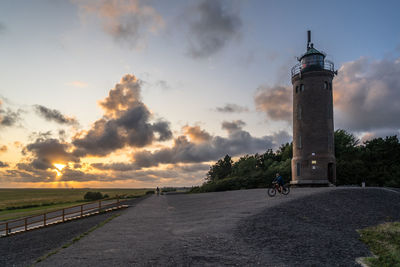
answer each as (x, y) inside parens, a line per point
(136, 93)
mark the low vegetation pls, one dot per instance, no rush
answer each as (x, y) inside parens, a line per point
(168, 189)
(91, 196)
(16, 203)
(375, 162)
(384, 241)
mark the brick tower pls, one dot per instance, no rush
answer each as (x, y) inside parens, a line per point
(313, 162)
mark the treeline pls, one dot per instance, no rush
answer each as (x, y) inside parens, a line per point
(375, 162)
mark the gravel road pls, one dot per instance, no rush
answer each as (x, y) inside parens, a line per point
(25, 248)
(320, 230)
(309, 227)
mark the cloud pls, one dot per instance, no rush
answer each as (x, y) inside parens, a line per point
(366, 136)
(127, 21)
(54, 115)
(18, 144)
(124, 96)
(367, 95)
(232, 108)
(276, 102)
(212, 25)
(233, 126)
(238, 142)
(45, 152)
(117, 166)
(2, 28)
(196, 134)
(163, 85)
(9, 117)
(282, 137)
(126, 122)
(3, 149)
(78, 84)
(3, 164)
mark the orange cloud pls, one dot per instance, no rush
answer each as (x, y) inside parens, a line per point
(275, 101)
(196, 134)
(3, 149)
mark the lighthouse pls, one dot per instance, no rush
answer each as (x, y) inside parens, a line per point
(313, 162)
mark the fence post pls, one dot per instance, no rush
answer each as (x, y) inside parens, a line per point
(81, 210)
(63, 215)
(6, 228)
(44, 219)
(26, 224)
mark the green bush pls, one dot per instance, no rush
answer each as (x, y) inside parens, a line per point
(91, 196)
(149, 192)
(376, 162)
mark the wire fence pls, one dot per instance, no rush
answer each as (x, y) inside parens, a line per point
(57, 216)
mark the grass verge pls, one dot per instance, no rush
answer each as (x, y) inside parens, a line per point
(384, 241)
(76, 239)
(11, 214)
(18, 203)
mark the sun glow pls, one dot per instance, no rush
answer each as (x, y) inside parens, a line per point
(59, 168)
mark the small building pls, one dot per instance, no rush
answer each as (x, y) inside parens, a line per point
(313, 162)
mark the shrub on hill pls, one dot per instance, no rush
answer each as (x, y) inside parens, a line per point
(376, 162)
(91, 196)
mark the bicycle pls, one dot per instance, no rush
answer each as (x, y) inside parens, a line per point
(276, 188)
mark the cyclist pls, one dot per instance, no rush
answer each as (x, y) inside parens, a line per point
(279, 180)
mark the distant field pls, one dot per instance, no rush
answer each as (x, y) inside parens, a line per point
(57, 198)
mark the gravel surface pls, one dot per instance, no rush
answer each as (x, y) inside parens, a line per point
(320, 230)
(25, 248)
(178, 230)
(309, 227)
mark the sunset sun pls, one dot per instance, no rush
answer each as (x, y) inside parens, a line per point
(59, 168)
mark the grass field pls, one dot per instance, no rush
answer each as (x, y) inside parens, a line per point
(50, 199)
(384, 241)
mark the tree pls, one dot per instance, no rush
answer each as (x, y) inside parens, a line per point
(376, 162)
(383, 157)
(220, 170)
(350, 169)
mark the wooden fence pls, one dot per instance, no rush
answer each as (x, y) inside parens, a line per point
(57, 216)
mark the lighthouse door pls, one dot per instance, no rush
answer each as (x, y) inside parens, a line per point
(330, 172)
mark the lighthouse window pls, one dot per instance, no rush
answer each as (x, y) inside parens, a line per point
(301, 87)
(299, 142)
(326, 85)
(297, 89)
(298, 165)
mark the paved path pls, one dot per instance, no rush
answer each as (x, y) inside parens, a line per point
(25, 248)
(195, 229)
(229, 228)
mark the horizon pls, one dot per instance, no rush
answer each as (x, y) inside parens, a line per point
(140, 94)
